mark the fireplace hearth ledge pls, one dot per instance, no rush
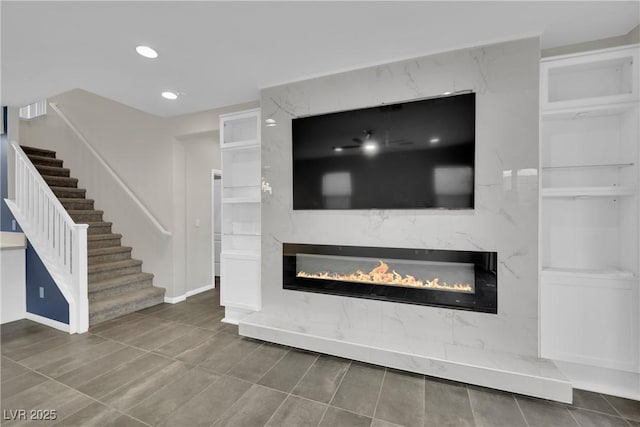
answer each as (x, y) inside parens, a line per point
(525, 375)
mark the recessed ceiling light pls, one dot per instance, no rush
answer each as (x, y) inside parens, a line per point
(370, 146)
(337, 149)
(270, 121)
(147, 52)
(434, 140)
(170, 95)
(447, 92)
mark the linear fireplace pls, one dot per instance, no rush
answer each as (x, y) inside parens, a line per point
(465, 280)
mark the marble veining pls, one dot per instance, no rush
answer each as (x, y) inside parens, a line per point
(505, 78)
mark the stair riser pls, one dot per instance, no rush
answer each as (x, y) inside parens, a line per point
(87, 217)
(107, 243)
(49, 161)
(118, 256)
(53, 171)
(119, 290)
(32, 151)
(124, 309)
(60, 181)
(79, 204)
(103, 275)
(99, 229)
(69, 193)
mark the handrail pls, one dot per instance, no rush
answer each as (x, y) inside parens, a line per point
(58, 240)
(109, 169)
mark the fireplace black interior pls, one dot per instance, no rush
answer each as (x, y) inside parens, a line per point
(465, 280)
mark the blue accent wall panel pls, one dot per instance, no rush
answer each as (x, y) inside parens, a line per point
(53, 305)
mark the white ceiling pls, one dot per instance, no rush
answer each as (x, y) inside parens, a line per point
(222, 53)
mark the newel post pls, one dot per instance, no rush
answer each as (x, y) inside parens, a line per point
(80, 277)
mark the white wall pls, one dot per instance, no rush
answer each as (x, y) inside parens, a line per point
(505, 78)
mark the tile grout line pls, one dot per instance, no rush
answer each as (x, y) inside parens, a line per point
(613, 406)
(335, 392)
(230, 406)
(574, 418)
(473, 413)
(274, 365)
(524, 417)
(375, 408)
(292, 388)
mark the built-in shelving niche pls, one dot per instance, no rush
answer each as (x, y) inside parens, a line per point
(589, 210)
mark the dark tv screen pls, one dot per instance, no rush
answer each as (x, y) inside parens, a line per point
(411, 155)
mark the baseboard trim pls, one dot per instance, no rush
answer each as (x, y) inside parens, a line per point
(175, 300)
(188, 294)
(200, 290)
(46, 321)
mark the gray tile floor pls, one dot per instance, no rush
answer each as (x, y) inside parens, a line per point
(177, 365)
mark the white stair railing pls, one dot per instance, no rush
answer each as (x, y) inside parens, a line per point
(60, 243)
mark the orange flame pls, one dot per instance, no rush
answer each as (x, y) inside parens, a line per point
(380, 276)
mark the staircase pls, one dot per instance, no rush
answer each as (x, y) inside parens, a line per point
(116, 283)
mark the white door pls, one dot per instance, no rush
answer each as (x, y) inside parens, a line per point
(216, 226)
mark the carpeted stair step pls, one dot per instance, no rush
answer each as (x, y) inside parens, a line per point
(68, 192)
(118, 285)
(99, 227)
(108, 270)
(45, 161)
(76, 203)
(42, 152)
(102, 255)
(119, 305)
(52, 170)
(60, 181)
(95, 241)
(83, 216)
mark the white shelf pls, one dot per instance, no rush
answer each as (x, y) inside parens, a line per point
(564, 192)
(231, 233)
(242, 145)
(232, 200)
(596, 166)
(238, 253)
(576, 113)
(606, 274)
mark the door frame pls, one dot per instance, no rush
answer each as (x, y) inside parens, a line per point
(215, 175)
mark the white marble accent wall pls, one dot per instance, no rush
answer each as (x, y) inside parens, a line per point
(505, 78)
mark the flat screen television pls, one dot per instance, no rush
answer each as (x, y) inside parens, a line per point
(410, 155)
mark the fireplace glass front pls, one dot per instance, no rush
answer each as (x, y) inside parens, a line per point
(464, 280)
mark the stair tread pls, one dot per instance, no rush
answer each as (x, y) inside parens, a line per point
(84, 211)
(26, 148)
(43, 168)
(107, 236)
(122, 299)
(81, 191)
(113, 282)
(35, 157)
(109, 250)
(112, 265)
(65, 178)
(74, 199)
(99, 223)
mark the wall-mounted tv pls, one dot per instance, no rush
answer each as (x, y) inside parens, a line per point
(410, 155)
